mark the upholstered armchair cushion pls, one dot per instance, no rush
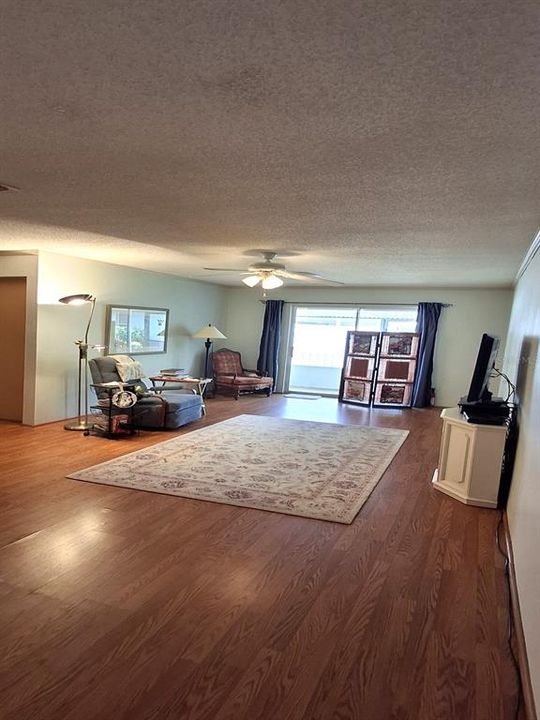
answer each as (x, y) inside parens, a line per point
(242, 380)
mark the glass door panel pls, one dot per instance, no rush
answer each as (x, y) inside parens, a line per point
(318, 339)
(387, 319)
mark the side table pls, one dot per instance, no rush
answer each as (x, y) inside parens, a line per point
(113, 425)
(196, 385)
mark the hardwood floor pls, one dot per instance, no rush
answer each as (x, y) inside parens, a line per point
(123, 604)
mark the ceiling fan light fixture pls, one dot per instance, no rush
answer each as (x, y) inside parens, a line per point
(271, 282)
(270, 272)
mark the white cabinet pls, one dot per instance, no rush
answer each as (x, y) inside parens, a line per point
(470, 460)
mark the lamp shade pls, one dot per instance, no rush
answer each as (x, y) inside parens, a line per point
(251, 280)
(209, 331)
(79, 299)
(271, 282)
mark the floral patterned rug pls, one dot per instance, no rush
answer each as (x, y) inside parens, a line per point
(312, 469)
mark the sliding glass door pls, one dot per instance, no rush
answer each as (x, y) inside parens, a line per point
(317, 337)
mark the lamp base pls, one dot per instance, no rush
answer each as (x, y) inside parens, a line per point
(79, 425)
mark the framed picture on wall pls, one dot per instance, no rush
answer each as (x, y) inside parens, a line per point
(131, 330)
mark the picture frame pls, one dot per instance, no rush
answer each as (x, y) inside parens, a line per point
(358, 391)
(362, 343)
(392, 394)
(136, 330)
(400, 344)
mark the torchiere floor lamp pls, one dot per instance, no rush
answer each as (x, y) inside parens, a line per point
(210, 332)
(82, 417)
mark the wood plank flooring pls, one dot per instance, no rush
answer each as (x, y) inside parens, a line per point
(119, 604)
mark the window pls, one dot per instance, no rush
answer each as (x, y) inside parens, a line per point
(136, 330)
(390, 319)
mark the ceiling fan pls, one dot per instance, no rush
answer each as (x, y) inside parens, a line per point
(269, 273)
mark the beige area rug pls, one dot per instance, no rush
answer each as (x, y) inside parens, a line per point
(311, 469)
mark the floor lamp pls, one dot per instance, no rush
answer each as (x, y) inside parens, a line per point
(210, 332)
(82, 417)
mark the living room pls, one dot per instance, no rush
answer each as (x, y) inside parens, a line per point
(381, 180)
(51, 381)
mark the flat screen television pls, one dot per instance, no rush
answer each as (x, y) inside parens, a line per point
(485, 361)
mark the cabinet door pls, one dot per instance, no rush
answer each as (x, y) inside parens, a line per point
(456, 457)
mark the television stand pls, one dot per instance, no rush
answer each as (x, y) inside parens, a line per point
(470, 460)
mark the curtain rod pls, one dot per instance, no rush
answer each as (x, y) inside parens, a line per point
(345, 304)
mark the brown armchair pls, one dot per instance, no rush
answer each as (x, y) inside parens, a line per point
(231, 377)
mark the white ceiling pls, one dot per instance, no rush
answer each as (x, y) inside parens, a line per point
(383, 142)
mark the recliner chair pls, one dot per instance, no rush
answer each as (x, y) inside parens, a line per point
(168, 410)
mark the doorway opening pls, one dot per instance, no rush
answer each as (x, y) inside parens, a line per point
(317, 341)
(13, 322)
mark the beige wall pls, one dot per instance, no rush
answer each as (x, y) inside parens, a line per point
(461, 326)
(25, 265)
(191, 304)
(521, 363)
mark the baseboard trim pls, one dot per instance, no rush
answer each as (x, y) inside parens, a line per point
(526, 686)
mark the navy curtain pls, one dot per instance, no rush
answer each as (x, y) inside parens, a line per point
(426, 324)
(271, 333)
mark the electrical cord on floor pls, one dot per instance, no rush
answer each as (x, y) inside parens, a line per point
(511, 624)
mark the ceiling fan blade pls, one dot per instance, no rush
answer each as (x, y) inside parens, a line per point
(226, 269)
(305, 276)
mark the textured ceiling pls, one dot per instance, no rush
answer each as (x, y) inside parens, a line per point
(383, 142)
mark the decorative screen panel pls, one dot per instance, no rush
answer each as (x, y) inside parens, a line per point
(379, 368)
(396, 369)
(359, 364)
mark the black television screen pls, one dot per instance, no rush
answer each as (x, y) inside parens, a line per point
(485, 362)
